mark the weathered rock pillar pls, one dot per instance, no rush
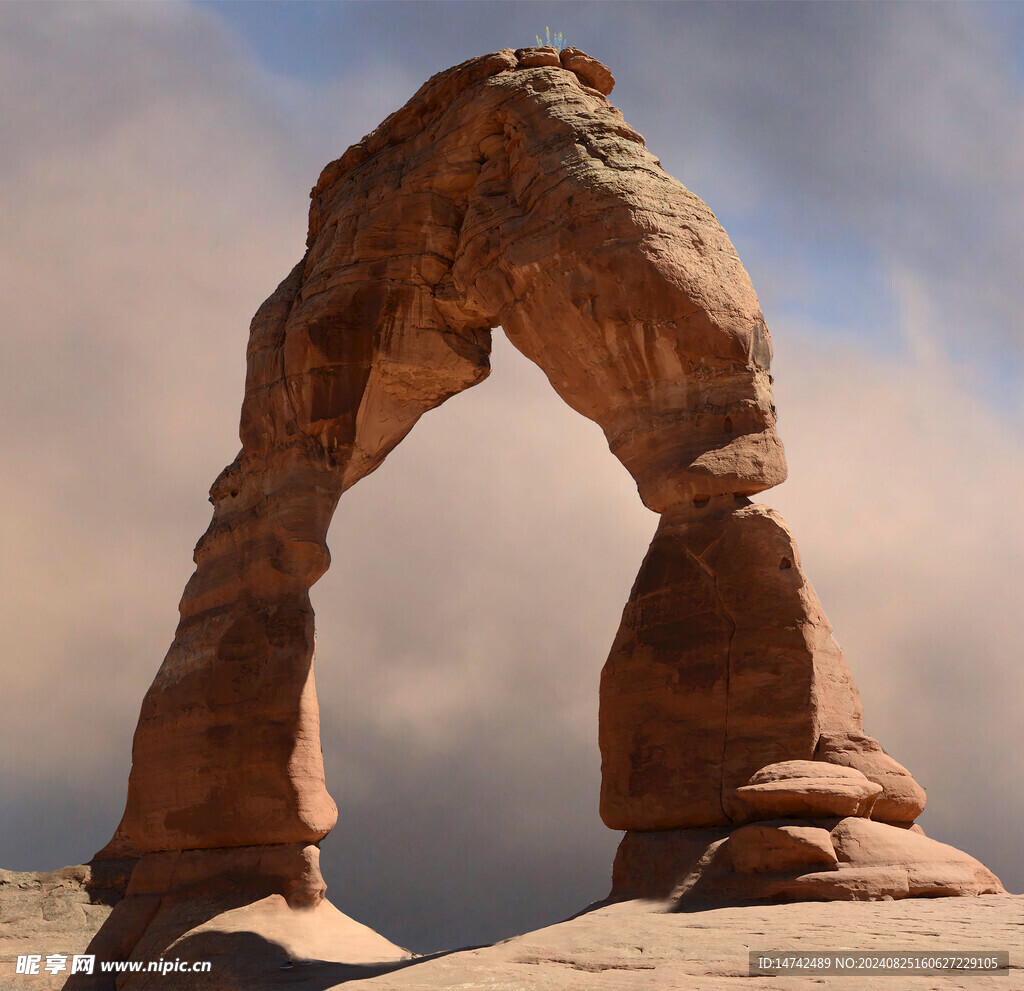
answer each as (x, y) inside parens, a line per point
(725, 663)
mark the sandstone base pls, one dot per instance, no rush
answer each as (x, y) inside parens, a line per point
(175, 908)
(627, 946)
(248, 910)
(256, 944)
(848, 859)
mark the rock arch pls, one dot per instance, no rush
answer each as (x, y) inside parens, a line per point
(503, 193)
(510, 191)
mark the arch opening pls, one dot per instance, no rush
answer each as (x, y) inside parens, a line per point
(476, 583)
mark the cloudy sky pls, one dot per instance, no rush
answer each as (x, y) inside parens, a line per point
(867, 161)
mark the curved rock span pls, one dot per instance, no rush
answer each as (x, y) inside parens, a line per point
(509, 191)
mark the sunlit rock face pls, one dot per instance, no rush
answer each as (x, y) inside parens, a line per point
(509, 191)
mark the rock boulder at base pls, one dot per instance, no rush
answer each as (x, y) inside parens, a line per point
(811, 789)
(902, 799)
(932, 868)
(764, 848)
(850, 859)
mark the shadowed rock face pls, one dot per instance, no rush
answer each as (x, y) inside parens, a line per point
(509, 191)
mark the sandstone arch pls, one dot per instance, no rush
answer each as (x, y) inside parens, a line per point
(510, 191)
(500, 194)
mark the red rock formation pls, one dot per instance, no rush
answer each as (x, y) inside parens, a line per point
(507, 191)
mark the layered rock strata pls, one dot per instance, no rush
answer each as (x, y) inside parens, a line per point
(816, 843)
(508, 191)
(55, 912)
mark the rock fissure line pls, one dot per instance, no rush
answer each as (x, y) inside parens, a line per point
(728, 673)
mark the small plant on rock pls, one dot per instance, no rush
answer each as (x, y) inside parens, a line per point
(556, 42)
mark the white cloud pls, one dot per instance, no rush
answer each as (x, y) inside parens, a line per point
(902, 497)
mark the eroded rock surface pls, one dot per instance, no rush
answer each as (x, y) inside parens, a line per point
(56, 912)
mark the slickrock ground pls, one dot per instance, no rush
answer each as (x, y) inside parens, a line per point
(622, 947)
(635, 945)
